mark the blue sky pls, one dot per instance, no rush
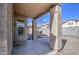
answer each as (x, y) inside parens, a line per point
(69, 11)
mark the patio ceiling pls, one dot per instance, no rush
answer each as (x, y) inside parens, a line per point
(31, 9)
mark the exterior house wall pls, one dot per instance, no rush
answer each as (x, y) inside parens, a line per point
(45, 29)
(30, 30)
(5, 28)
(71, 23)
(78, 23)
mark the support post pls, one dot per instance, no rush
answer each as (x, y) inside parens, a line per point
(55, 28)
(26, 28)
(34, 29)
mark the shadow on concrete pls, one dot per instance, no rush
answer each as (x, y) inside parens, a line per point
(63, 44)
(52, 40)
(41, 46)
(29, 37)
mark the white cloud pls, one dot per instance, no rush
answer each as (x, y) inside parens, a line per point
(44, 20)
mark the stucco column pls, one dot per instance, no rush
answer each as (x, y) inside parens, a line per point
(26, 27)
(5, 28)
(34, 29)
(55, 28)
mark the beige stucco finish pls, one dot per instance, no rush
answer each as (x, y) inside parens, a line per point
(31, 9)
(55, 28)
(5, 28)
(34, 29)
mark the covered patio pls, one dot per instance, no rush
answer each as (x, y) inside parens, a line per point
(10, 13)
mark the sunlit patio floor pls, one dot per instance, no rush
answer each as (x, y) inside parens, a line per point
(71, 47)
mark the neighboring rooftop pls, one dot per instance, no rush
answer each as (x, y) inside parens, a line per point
(71, 20)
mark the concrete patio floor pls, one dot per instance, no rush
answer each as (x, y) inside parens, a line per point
(42, 47)
(32, 47)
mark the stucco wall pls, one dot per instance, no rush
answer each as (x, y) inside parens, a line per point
(5, 28)
(73, 31)
(9, 28)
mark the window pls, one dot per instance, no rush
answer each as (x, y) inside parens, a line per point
(70, 23)
(20, 27)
